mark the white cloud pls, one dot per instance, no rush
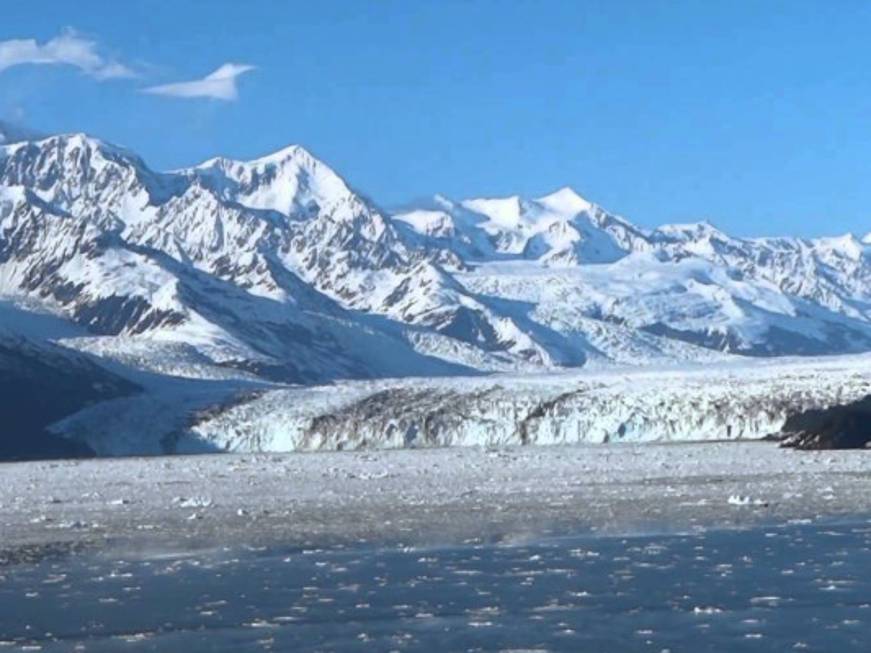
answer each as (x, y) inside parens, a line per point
(220, 85)
(66, 49)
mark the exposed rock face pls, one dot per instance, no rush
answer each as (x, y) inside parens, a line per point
(845, 426)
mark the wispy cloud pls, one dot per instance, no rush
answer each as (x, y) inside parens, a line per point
(220, 85)
(68, 48)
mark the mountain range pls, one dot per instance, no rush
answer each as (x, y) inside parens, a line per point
(277, 269)
(278, 266)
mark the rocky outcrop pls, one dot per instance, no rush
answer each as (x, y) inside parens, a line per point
(845, 426)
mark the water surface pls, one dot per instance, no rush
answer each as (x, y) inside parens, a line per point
(793, 587)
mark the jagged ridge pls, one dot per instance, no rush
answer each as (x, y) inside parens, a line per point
(279, 267)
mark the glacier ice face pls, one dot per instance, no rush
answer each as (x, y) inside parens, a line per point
(711, 402)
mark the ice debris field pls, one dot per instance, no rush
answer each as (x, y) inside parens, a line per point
(702, 547)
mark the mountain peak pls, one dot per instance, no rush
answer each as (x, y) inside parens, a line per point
(290, 180)
(502, 210)
(700, 229)
(84, 141)
(12, 134)
(291, 152)
(846, 245)
(565, 200)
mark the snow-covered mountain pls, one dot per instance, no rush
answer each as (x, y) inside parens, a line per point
(277, 267)
(606, 285)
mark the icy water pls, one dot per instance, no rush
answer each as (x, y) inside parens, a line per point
(795, 587)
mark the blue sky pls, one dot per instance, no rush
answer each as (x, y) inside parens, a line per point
(754, 115)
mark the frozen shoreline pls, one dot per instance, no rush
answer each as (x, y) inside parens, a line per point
(421, 497)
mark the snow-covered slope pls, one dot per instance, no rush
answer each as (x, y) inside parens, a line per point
(278, 267)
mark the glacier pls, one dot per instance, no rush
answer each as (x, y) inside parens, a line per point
(720, 402)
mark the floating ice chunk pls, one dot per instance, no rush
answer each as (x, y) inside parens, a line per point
(743, 500)
(770, 600)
